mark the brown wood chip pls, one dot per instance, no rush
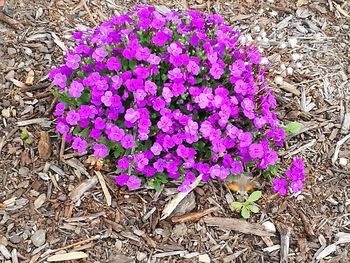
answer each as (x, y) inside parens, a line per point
(237, 225)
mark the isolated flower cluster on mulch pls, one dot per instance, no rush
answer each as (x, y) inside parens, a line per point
(170, 96)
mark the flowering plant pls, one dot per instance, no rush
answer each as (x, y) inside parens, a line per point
(169, 96)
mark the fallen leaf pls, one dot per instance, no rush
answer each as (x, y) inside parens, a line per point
(44, 146)
(67, 256)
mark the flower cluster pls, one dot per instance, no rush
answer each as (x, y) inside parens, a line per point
(169, 96)
(294, 178)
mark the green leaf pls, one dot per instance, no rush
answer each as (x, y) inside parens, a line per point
(85, 97)
(253, 208)
(236, 205)
(293, 127)
(245, 212)
(25, 136)
(254, 196)
(85, 133)
(132, 64)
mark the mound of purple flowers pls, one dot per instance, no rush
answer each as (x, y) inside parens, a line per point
(169, 97)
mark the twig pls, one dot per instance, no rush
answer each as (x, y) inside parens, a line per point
(89, 13)
(285, 237)
(104, 188)
(63, 144)
(192, 217)
(237, 225)
(11, 22)
(308, 228)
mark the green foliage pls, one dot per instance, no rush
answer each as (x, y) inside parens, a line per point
(26, 136)
(293, 127)
(247, 207)
(157, 181)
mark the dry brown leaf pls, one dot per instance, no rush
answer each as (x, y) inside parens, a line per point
(18, 83)
(44, 146)
(30, 78)
(67, 256)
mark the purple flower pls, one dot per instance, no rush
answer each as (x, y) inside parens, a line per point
(79, 144)
(192, 67)
(256, 150)
(114, 133)
(123, 163)
(216, 71)
(280, 186)
(59, 109)
(140, 160)
(156, 148)
(164, 124)
(75, 89)
(296, 186)
(236, 167)
(218, 171)
(60, 80)
(128, 141)
(184, 187)
(62, 128)
(131, 115)
(133, 182)
(113, 63)
(99, 123)
(73, 61)
(72, 117)
(121, 179)
(99, 54)
(100, 150)
(245, 139)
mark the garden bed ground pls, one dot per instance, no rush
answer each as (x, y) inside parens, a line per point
(37, 215)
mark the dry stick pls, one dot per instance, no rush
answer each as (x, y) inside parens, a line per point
(89, 13)
(192, 217)
(63, 144)
(11, 22)
(308, 228)
(285, 237)
(72, 245)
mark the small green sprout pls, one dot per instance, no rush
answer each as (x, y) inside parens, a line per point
(293, 127)
(248, 205)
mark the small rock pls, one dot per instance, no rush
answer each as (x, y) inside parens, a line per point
(204, 258)
(296, 56)
(11, 51)
(292, 42)
(279, 80)
(269, 227)
(15, 239)
(10, 75)
(289, 71)
(6, 113)
(343, 161)
(39, 238)
(140, 256)
(23, 171)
